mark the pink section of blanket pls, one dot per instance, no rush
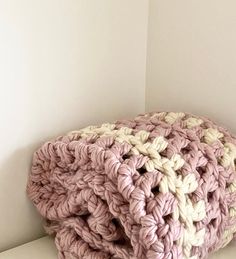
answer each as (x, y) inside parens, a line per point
(159, 186)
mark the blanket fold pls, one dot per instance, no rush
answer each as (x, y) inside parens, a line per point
(159, 186)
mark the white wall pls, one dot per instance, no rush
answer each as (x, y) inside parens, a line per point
(191, 61)
(64, 64)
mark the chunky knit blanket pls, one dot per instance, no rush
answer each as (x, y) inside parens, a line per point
(159, 186)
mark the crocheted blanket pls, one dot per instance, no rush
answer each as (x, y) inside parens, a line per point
(159, 186)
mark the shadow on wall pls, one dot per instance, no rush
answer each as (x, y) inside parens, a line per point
(14, 173)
